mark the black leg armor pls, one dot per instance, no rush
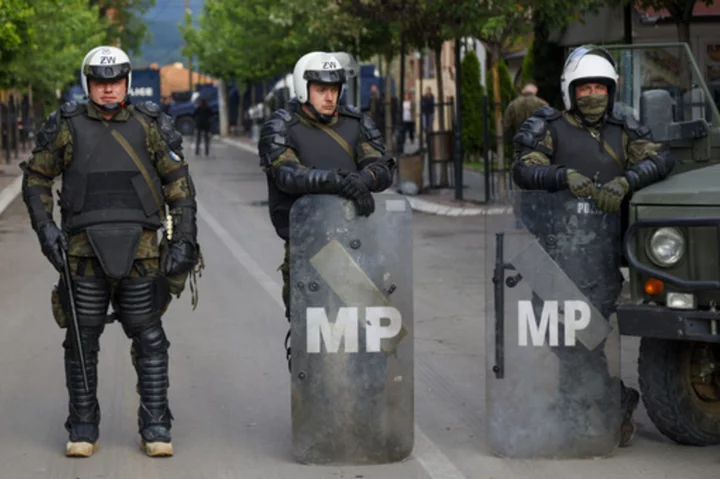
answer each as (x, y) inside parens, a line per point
(92, 297)
(140, 302)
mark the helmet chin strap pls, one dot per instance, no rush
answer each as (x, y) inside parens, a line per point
(322, 118)
(111, 107)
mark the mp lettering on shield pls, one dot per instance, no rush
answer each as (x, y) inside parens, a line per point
(577, 317)
(381, 322)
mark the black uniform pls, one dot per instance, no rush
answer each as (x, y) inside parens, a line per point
(300, 155)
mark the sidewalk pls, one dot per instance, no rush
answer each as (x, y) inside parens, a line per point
(436, 201)
(11, 177)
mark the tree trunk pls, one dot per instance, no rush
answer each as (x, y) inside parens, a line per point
(223, 108)
(498, 108)
(683, 29)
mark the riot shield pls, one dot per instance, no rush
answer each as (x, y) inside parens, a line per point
(351, 319)
(553, 347)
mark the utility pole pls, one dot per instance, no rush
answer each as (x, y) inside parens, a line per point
(190, 65)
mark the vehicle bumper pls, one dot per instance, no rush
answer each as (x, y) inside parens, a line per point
(664, 323)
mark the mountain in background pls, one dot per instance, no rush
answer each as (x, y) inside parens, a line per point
(167, 41)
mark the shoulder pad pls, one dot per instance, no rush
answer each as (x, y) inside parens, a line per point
(547, 112)
(274, 136)
(48, 131)
(172, 137)
(349, 110)
(70, 108)
(149, 108)
(372, 134)
(531, 133)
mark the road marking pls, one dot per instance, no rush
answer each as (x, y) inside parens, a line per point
(429, 456)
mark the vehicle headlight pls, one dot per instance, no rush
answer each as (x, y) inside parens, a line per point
(666, 247)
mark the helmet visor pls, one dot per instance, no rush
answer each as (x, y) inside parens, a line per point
(348, 62)
(576, 55)
(327, 77)
(108, 72)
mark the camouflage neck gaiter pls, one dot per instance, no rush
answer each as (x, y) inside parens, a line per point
(592, 107)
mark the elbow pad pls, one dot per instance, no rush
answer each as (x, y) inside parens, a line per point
(294, 180)
(649, 171)
(549, 178)
(378, 176)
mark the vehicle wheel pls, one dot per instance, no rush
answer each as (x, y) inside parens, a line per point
(680, 386)
(185, 125)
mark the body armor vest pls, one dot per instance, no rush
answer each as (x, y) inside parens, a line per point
(315, 149)
(575, 147)
(102, 185)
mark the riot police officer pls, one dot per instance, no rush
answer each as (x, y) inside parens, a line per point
(592, 151)
(120, 165)
(317, 147)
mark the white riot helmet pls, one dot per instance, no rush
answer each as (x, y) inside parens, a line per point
(105, 63)
(317, 67)
(588, 64)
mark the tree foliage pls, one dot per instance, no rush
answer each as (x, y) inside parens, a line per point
(50, 46)
(471, 111)
(680, 11)
(127, 28)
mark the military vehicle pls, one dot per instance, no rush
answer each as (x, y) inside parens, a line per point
(672, 244)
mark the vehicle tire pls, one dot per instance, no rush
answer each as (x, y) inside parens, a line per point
(680, 386)
(185, 125)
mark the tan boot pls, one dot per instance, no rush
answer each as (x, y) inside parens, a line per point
(156, 449)
(80, 449)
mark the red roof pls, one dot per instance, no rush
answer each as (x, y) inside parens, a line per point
(699, 10)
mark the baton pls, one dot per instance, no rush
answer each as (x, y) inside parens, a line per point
(73, 314)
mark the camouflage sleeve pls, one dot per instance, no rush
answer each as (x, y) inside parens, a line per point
(508, 120)
(178, 188)
(648, 161)
(532, 168)
(375, 165)
(50, 156)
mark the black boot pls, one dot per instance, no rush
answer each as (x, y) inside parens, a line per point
(83, 418)
(154, 416)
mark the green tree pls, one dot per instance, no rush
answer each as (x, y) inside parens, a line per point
(471, 112)
(127, 28)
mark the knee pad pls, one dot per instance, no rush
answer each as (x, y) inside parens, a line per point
(92, 299)
(140, 302)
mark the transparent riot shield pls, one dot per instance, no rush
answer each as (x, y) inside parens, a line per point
(351, 315)
(553, 347)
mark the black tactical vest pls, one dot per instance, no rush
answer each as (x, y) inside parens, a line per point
(315, 149)
(102, 185)
(575, 147)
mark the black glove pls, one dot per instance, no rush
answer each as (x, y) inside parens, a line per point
(53, 243)
(354, 189)
(181, 258)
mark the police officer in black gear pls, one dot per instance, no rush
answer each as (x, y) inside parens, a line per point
(316, 147)
(121, 165)
(589, 151)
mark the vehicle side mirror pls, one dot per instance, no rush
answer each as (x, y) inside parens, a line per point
(656, 113)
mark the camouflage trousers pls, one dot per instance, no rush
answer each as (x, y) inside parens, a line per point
(138, 302)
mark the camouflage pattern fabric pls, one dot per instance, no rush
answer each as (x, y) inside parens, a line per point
(636, 150)
(363, 152)
(519, 110)
(50, 161)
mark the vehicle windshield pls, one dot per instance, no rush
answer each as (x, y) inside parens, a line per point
(663, 67)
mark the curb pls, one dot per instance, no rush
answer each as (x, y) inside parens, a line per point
(10, 192)
(417, 204)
